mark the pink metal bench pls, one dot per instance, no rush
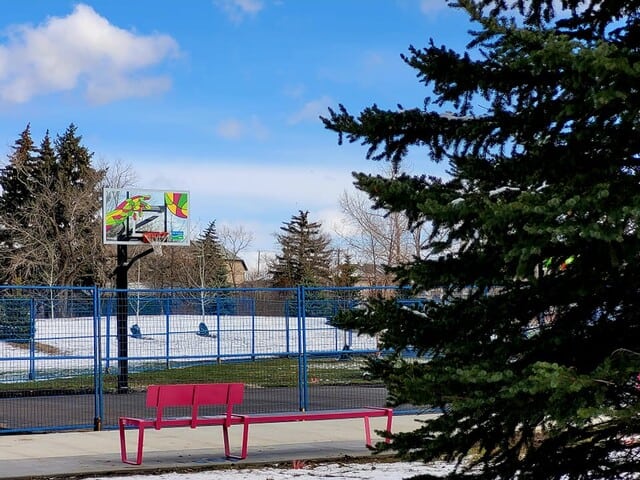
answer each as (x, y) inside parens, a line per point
(194, 396)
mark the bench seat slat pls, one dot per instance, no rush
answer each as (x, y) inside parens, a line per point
(219, 420)
(316, 415)
(153, 423)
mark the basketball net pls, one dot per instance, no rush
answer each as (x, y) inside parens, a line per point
(156, 240)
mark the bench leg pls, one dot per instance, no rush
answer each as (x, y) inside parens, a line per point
(123, 441)
(245, 438)
(245, 441)
(367, 429)
(225, 435)
(389, 421)
(123, 444)
(367, 432)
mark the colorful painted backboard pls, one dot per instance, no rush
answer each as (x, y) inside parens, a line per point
(130, 214)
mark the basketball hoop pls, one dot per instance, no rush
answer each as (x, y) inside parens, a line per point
(156, 240)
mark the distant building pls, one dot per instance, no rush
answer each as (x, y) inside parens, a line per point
(372, 275)
(237, 269)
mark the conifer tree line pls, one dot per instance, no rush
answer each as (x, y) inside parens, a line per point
(49, 213)
(532, 347)
(50, 231)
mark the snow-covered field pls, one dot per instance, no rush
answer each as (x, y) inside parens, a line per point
(330, 471)
(69, 344)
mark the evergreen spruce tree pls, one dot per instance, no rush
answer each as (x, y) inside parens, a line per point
(346, 272)
(46, 162)
(305, 257)
(18, 185)
(535, 346)
(72, 170)
(76, 181)
(17, 179)
(210, 261)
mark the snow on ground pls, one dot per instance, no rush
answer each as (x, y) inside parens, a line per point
(329, 471)
(68, 343)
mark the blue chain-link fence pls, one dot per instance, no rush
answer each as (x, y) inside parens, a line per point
(77, 358)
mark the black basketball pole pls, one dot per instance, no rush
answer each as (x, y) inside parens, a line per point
(122, 314)
(122, 306)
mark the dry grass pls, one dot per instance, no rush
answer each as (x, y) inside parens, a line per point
(40, 347)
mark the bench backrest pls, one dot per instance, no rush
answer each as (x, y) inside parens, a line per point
(194, 395)
(229, 394)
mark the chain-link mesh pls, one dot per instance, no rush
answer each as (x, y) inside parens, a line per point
(80, 358)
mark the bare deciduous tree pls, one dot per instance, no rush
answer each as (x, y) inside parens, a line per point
(377, 239)
(118, 174)
(55, 253)
(235, 240)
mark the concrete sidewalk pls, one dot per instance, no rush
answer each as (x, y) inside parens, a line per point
(84, 454)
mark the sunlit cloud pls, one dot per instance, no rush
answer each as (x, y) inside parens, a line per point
(234, 129)
(373, 60)
(311, 110)
(303, 186)
(230, 129)
(251, 195)
(83, 52)
(294, 91)
(429, 7)
(238, 10)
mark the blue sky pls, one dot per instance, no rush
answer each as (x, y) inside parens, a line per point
(219, 97)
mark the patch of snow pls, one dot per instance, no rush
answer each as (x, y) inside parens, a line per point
(330, 471)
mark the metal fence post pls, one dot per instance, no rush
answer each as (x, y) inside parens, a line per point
(218, 332)
(253, 336)
(97, 361)
(303, 384)
(287, 326)
(218, 340)
(32, 340)
(167, 312)
(107, 347)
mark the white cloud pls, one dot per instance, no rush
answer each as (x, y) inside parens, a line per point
(111, 88)
(332, 219)
(373, 60)
(312, 110)
(259, 196)
(294, 91)
(81, 51)
(229, 129)
(258, 129)
(233, 129)
(237, 10)
(260, 184)
(429, 7)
